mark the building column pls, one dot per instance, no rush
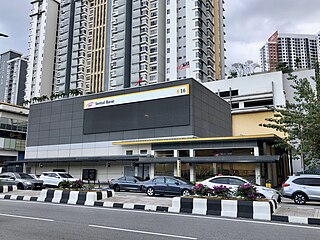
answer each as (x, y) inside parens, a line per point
(175, 168)
(136, 171)
(192, 172)
(258, 167)
(151, 170)
(191, 152)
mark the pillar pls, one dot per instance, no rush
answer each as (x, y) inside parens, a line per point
(151, 170)
(257, 167)
(192, 172)
(136, 171)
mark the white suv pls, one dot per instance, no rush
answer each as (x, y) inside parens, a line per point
(302, 188)
(55, 178)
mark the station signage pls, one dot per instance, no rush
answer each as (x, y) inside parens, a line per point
(175, 91)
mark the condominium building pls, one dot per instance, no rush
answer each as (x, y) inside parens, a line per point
(71, 46)
(195, 40)
(137, 43)
(299, 51)
(16, 80)
(4, 58)
(42, 48)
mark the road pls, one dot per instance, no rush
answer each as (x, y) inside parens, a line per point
(42, 221)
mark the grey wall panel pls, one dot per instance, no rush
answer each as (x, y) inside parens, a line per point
(203, 114)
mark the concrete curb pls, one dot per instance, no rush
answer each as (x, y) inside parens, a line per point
(224, 208)
(73, 197)
(295, 219)
(10, 188)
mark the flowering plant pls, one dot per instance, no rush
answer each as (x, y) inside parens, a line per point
(221, 191)
(202, 190)
(247, 191)
(77, 184)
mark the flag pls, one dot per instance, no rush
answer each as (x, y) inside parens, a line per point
(183, 66)
(139, 81)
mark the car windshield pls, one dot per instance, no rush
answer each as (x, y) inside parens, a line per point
(183, 180)
(139, 179)
(65, 175)
(24, 176)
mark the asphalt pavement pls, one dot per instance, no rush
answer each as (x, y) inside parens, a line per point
(42, 221)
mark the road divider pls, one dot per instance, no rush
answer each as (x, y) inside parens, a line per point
(5, 188)
(260, 210)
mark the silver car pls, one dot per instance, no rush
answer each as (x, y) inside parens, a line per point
(302, 188)
(22, 180)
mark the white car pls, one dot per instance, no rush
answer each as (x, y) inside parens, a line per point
(55, 178)
(233, 182)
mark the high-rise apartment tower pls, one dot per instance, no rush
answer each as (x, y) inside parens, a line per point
(298, 51)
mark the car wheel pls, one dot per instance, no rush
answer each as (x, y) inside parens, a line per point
(300, 198)
(116, 188)
(185, 192)
(150, 191)
(20, 186)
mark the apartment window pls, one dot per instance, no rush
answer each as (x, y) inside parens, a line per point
(168, 2)
(168, 70)
(168, 30)
(154, 40)
(153, 59)
(153, 68)
(168, 50)
(168, 60)
(168, 11)
(168, 21)
(168, 40)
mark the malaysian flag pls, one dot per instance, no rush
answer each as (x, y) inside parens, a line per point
(183, 66)
(139, 81)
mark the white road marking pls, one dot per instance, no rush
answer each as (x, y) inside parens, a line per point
(175, 214)
(143, 232)
(25, 217)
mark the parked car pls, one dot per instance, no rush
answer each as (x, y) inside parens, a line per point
(302, 188)
(54, 179)
(22, 180)
(127, 183)
(35, 176)
(234, 181)
(167, 185)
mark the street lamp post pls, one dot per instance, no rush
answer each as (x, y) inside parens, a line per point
(3, 35)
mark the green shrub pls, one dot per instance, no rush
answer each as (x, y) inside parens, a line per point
(65, 184)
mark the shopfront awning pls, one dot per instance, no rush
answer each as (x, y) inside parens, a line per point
(215, 159)
(77, 159)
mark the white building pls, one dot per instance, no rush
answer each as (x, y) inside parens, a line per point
(194, 40)
(42, 48)
(250, 97)
(16, 80)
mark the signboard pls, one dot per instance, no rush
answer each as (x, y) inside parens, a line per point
(175, 91)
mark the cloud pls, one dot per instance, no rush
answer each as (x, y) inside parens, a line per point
(249, 23)
(15, 22)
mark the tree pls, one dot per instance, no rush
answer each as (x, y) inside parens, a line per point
(283, 66)
(75, 92)
(299, 121)
(243, 69)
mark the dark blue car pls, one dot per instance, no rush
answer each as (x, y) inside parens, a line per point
(168, 186)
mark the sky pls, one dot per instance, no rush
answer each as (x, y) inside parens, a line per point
(249, 23)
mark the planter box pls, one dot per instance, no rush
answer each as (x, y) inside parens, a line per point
(74, 197)
(261, 210)
(5, 188)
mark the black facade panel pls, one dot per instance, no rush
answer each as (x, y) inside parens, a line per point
(168, 112)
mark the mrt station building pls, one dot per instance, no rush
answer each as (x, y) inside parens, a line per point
(173, 128)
